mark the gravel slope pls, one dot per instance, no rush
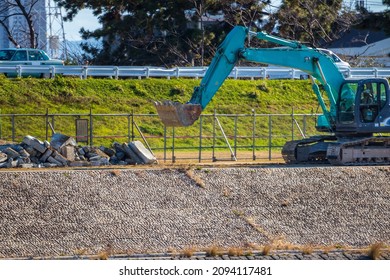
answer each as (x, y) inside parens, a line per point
(64, 212)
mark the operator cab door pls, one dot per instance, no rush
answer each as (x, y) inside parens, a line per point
(363, 107)
(373, 109)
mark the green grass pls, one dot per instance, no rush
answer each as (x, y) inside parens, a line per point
(104, 96)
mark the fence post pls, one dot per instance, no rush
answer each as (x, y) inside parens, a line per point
(235, 135)
(213, 156)
(132, 125)
(85, 72)
(173, 145)
(116, 69)
(0, 125)
(128, 127)
(47, 123)
(269, 137)
(90, 128)
(165, 143)
(200, 138)
(253, 135)
(292, 123)
(13, 127)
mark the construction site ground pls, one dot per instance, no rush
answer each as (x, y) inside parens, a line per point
(196, 211)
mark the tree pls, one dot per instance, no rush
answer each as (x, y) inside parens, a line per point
(134, 32)
(162, 32)
(386, 20)
(312, 22)
(25, 11)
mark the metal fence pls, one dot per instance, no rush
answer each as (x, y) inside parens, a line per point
(214, 137)
(117, 72)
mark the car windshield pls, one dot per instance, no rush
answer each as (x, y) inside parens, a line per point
(6, 54)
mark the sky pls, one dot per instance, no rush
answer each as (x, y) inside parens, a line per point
(86, 19)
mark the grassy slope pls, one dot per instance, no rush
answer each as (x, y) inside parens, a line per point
(67, 95)
(72, 95)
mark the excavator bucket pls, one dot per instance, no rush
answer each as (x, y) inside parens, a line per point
(177, 114)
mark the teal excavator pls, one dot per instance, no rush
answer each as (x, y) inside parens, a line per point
(356, 112)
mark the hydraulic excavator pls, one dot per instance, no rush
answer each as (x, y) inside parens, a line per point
(356, 112)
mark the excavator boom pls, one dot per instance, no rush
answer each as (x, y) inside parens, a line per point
(293, 54)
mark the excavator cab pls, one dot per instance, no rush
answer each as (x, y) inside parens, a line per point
(363, 106)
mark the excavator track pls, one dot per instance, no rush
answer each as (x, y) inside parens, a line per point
(309, 150)
(366, 151)
(329, 149)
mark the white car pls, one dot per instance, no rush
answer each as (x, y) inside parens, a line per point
(341, 64)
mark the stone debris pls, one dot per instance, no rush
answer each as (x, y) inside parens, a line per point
(63, 151)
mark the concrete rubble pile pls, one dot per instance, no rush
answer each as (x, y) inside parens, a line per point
(63, 151)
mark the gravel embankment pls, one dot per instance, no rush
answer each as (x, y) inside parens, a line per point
(55, 213)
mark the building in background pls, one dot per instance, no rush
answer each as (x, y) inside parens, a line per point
(18, 25)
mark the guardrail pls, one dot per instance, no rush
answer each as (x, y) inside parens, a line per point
(117, 72)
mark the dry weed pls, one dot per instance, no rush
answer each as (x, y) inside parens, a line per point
(267, 249)
(199, 182)
(213, 251)
(188, 252)
(307, 249)
(115, 172)
(374, 252)
(103, 255)
(235, 251)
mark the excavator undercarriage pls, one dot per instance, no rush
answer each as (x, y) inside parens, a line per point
(342, 151)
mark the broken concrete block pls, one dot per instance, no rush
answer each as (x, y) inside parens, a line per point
(47, 144)
(45, 156)
(59, 140)
(48, 164)
(54, 161)
(120, 155)
(68, 152)
(130, 161)
(102, 153)
(143, 153)
(78, 163)
(3, 157)
(23, 153)
(32, 152)
(107, 151)
(87, 149)
(95, 158)
(130, 153)
(80, 151)
(27, 165)
(11, 153)
(35, 143)
(57, 156)
(91, 154)
(35, 160)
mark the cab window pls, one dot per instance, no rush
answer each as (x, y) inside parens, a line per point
(347, 103)
(383, 97)
(372, 95)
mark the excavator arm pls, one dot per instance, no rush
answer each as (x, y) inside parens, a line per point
(293, 54)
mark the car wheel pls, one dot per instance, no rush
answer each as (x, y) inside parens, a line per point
(46, 75)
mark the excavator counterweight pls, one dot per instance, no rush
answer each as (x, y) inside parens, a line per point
(177, 114)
